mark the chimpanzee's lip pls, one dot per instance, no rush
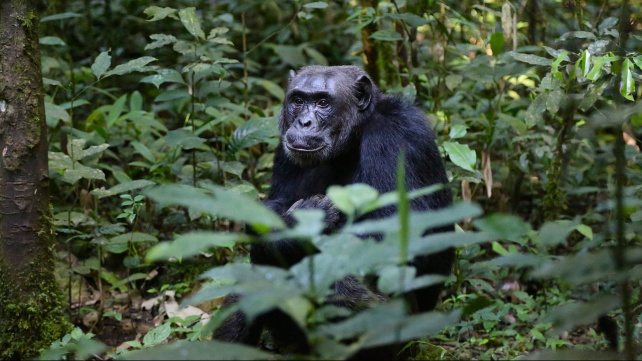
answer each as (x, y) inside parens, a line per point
(304, 150)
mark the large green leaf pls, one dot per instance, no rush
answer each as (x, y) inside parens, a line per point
(572, 315)
(136, 65)
(121, 188)
(386, 35)
(461, 155)
(159, 13)
(101, 64)
(191, 244)
(531, 59)
(191, 22)
(254, 131)
(54, 113)
(218, 201)
(627, 84)
(203, 350)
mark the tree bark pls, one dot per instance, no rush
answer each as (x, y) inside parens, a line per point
(31, 314)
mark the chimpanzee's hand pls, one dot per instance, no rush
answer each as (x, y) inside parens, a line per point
(333, 217)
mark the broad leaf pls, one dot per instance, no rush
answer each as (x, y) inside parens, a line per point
(192, 244)
(136, 65)
(461, 155)
(101, 64)
(386, 35)
(191, 22)
(220, 202)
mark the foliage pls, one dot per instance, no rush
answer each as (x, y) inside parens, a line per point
(161, 117)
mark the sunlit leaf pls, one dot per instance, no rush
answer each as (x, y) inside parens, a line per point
(627, 84)
(461, 155)
(101, 64)
(136, 65)
(191, 22)
(531, 59)
(159, 13)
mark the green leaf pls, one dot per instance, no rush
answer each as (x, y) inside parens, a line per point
(254, 131)
(144, 151)
(211, 350)
(412, 19)
(585, 230)
(350, 198)
(638, 61)
(503, 226)
(291, 55)
(563, 55)
(54, 113)
(386, 35)
(60, 16)
(536, 110)
(627, 84)
(453, 81)
(419, 221)
(159, 13)
(578, 34)
(553, 233)
(133, 237)
(192, 244)
(115, 110)
(157, 335)
(319, 58)
(517, 123)
(461, 155)
(160, 40)
(164, 76)
(234, 167)
(273, 88)
(51, 40)
(136, 65)
(573, 315)
(191, 22)
(183, 138)
(585, 62)
(531, 59)
(316, 5)
(457, 131)
(497, 43)
(101, 64)
(121, 188)
(244, 208)
(499, 249)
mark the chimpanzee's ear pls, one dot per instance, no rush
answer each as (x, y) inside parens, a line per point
(364, 92)
(291, 75)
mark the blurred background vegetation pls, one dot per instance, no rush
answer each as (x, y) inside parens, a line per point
(534, 103)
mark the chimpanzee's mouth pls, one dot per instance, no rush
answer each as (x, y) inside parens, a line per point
(304, 150)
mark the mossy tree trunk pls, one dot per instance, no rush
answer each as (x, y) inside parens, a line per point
(31, 314)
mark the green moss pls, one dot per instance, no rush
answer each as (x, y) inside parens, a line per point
(31, 316)
(27, 21)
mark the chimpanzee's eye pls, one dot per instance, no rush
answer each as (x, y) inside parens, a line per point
(323, 103)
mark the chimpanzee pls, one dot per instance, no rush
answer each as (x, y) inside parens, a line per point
(338, 129)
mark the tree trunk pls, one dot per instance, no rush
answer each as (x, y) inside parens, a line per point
(31, 314)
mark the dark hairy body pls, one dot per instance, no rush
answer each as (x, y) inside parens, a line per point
(338, 129)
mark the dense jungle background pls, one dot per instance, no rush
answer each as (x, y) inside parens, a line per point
(161, 121)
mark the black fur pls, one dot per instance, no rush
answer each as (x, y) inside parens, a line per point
(359, 135)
